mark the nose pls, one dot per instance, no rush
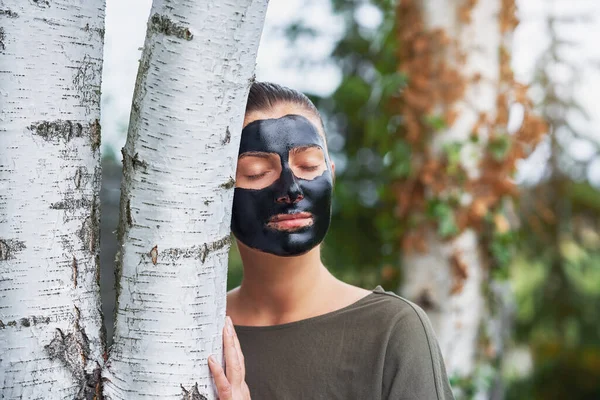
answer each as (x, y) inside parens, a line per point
(290, 190)
(289, 199)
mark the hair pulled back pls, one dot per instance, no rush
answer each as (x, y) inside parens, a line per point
(265, 96)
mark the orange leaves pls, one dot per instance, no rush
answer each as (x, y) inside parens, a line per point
(508, 16)
(414, 241)
(433, 62)
(460, 272)
(465, 11)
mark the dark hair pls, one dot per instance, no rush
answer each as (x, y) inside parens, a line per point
(264, 96)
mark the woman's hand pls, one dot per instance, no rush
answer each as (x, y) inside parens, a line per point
(231, 385)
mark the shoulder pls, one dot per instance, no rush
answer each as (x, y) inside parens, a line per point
(401, 314)
(413, 357)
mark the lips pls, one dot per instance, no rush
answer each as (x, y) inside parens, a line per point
(290, 222)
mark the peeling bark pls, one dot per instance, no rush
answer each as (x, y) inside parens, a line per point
(163, 24)
(192, 394)
(8, 248)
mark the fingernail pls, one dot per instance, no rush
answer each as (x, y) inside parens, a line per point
(211, 359)
(229, 326)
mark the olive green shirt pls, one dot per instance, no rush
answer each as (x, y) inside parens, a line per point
(381, 347)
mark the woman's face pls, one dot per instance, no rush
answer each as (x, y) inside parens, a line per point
(284, 183)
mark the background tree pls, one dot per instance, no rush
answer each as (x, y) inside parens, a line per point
(50, 319)
(178, 177)
(457, 192)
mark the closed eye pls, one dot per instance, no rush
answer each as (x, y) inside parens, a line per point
(309, 168)
(257, 176)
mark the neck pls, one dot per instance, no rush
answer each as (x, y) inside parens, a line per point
(276, 290)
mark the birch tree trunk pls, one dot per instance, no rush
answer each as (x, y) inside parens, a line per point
(459, 57)
(179, 167)
(50, 320)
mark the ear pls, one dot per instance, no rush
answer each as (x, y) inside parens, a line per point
(332, 170)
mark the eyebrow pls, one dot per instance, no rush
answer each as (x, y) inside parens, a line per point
(259, 154)
(300, 149)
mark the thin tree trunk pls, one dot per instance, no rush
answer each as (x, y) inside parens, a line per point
(447, 279)
(50, 320)
(179, 167)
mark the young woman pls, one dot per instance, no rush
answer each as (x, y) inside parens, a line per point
(302, 333)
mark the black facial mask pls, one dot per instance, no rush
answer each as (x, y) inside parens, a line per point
(253, 208)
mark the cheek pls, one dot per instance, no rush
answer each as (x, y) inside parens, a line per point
(319, 189)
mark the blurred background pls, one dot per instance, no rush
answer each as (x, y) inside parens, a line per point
(541, 236)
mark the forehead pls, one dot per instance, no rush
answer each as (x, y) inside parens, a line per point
(279, 135)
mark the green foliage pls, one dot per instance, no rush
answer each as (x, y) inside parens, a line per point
(436, 122)
(442, 213)
(452, 152)
(499, 147)
(363, 238)
(467, 387)
(399, 160)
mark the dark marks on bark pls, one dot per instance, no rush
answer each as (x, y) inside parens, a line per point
(192, 394)
(89, 233)
(128, 213)
(163, 24)
(8, 13)
(91, 388)
(70, 204)
(229, 184)
(195, 252)
(48, 21)
(227, 138)
(25, 322)
(100, 31)
(2, 39)
(154, 254)
(72, 351)
(81, 177)
(40, 3)
(9, 247)
(54, 131)
(95, 133)
(97, 274)
(135, 162)
(74, 268)
(65, 131)
(87, 82)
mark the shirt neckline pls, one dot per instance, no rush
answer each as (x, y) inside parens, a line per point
(251, 328)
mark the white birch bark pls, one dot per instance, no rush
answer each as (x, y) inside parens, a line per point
(429, 277)
(179, 167)
(50, 321)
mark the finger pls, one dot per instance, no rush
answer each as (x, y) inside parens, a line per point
(221, 382)
(238, 347)
(245, 391)
(232, 361)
